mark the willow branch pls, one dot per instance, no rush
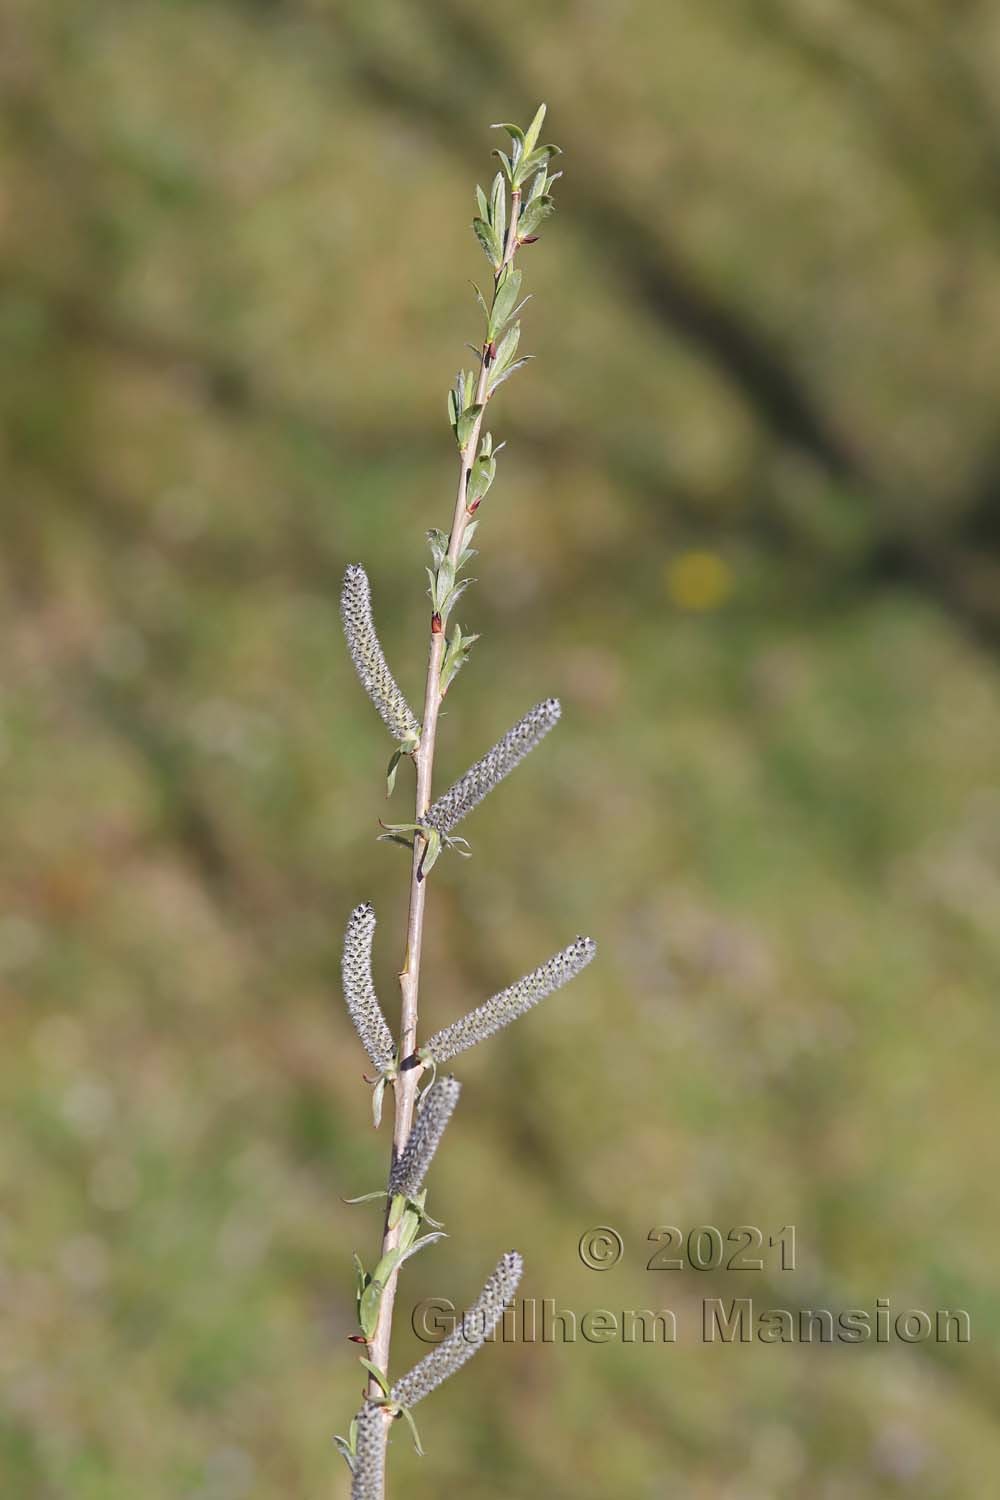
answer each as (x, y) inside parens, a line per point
(405, 1085)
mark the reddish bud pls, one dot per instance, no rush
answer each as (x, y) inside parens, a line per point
(435, 623)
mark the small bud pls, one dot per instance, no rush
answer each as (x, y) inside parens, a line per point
(500, 1010)
(369, 659)
(497, 763)
(436, 1110)
(461, 1344)
(359, 990)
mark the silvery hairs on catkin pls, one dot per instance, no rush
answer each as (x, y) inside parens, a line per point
(497, 763)
(369, 1456)
(436, 1110)
(359, 990)
(369, 658)
(466, 1338)
(510, 1003)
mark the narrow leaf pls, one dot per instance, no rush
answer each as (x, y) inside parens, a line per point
(503, 303)
(488, 240)
(379, 1376)
(533, 130)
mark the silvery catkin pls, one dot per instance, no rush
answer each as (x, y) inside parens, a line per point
(470, 789)
(369, 1457)
(369, 658)
(359, 991)
(409, 1171)
(468, 1336)
(510, 1003)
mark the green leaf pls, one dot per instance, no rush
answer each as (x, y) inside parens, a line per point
(466, 424)
(452, 660)
(394, 838)
(396, 1210)
(514, 131)
(452, 408)
(534, 215)
(345, 1450)
(390, 775)
(408, 1232)
(498, 209)
(504, 301)
(481, 204)
(385, 1268)
(378, 1094)
(482, 301)
(482, 475)
(361, 1275)
(405, 1412)
(379, 1376)
(438, 541)
(533, 130)
(506, 349)
(368, 1309)
(422, 1243)
(444, 579)
(506, 374)
(506, 164)
(431, 852)
(538, 186)
(528, 164)
(365, 1198)
(489, 242)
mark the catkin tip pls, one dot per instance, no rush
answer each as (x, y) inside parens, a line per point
(493, 767)
(503, 1008)
(359, 988)
(369, 658)
(462, 1343)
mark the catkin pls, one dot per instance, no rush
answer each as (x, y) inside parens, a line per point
(369, 658)
(368, 1482)
(470, 789)
(436, 1110)
(469, 1335)
(510, 1003)
(359, 990)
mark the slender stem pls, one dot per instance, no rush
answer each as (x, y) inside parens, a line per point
(405, 1085)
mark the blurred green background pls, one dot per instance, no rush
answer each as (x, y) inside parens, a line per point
(746, 527)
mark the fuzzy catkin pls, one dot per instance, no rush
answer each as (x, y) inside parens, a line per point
(468, 1336)
(428, 1128)
(359, 991)
(470, 789)
(368, 1482)
(369, 659)
(510, 1003)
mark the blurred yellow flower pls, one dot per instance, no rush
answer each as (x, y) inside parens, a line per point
(698, 580)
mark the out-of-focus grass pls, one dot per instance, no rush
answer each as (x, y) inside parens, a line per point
(234, 283)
